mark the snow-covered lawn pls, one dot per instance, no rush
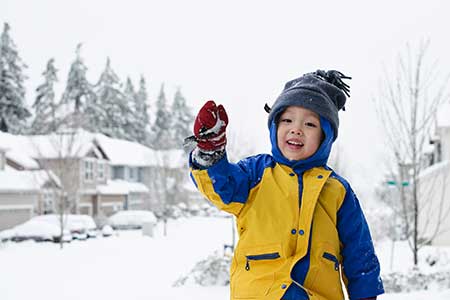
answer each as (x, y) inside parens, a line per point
(131, 266)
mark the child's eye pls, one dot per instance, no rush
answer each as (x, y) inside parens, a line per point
(309, 124)
(286, 120)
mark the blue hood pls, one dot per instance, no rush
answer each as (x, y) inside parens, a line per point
(318, 159)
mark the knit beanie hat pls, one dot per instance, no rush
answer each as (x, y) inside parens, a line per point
(323, 92)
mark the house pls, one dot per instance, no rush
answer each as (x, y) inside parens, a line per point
(98, 175)
(84, 167)
(162, 172)
(434, 184)
(23, 193)
(79, 165)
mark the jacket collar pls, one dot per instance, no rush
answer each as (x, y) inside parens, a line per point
(318, 159)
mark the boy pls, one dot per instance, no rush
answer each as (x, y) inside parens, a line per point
(301, 229)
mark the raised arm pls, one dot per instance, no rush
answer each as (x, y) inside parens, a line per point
(225, 184)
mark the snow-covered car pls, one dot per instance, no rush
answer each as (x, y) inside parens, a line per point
(6, 235)
(81, 227)
(39, 231)
(131, 219)
(89, 224)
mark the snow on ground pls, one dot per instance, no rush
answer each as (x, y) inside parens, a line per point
(131, 266)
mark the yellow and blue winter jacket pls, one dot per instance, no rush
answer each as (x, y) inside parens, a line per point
(301, 229)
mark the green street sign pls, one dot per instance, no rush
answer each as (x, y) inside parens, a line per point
(393, 182)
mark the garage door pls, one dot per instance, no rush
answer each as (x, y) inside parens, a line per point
(10, 217)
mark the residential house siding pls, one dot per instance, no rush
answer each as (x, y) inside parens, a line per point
(17, 208)
(434, 189)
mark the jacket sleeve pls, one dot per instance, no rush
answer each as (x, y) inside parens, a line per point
(361, 267)
(227, 185)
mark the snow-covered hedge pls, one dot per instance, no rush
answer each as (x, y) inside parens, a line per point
(212, 271)
(397, 282)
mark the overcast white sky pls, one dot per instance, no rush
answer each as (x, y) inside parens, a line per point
(239, 53)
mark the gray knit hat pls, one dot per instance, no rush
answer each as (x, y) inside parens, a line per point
(323, 92)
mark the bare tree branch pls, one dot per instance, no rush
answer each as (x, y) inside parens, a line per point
(407, 107)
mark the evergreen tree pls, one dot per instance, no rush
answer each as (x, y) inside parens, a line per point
(132, 127)
(13, 113)
(115, 114)
(162, 138)
(182, 119)
(44, 105)
(130, 93)
(142, 99)
(79, 91)
(141, 109)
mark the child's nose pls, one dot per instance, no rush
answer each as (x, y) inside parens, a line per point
(297, 131)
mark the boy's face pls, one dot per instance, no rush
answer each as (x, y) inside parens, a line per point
(299, 133)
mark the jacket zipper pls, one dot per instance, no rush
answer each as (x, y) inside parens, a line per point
(274, 255)
(333, 258)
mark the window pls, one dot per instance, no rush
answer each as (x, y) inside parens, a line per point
(132, 172)
(89, 170)
(48, 201)
(438, 152)
(118, 172)
(101, 170)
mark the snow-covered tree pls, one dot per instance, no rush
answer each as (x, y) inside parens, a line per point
(130, 97)
(130, 93)
(114, 118)
(44, 104)
(182, 119)
(142, 96)
(13, 112)
(141, 113)
(409, 98)
(162, 138)
(78, 90)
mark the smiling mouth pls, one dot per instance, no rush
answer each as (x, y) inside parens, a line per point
(297, 144)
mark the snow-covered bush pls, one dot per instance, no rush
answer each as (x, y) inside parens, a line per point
(107, 231)
(381, 223)
(397, 282)
(212, 271)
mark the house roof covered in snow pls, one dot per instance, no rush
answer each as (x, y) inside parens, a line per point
(61, 145)
(22, 159)
(24, 149)
(126, 153)
(23, 181)
(121, 187)
(16, 151)
(435, 169)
